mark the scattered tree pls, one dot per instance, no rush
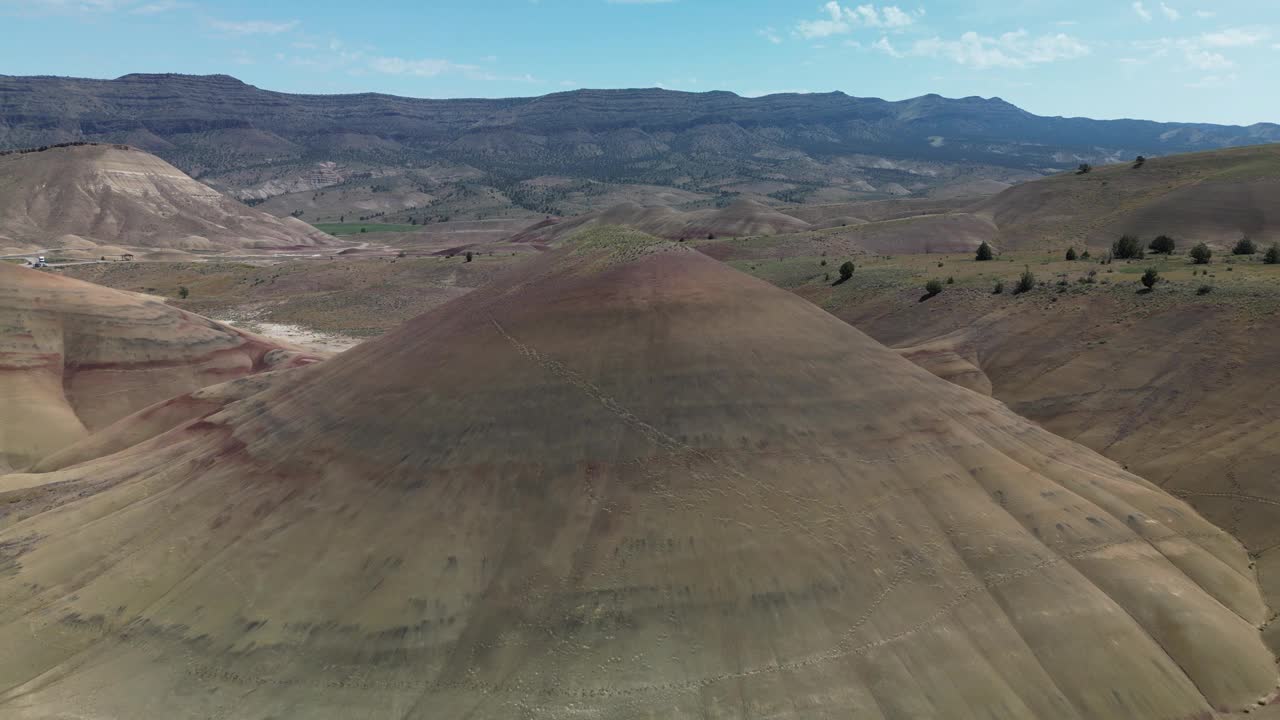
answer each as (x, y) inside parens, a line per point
(951, 280)
(1201, 254)
(823, 263)
(846, 270)
(1025, 283)
(1085, 255)
(933, 287)
(1139, 162)
(1127, 247)
(999, 288)
(1204, 290)
(1084, 169)
(1150, 278)
(984, 252)
(1244, 246)
(711, 236)
(1273, 255)
(1071, 253)
(183, 292)
(400, 254)
(468, 256)
(1162, 245)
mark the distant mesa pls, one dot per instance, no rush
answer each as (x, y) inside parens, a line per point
(624, 481)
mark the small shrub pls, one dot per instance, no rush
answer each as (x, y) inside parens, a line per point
(823, 263)
(1244, 246)
(183, 292)
(468, 256)
(1085, 255)
(1150, 278)
(984, 252)
(1025, 283)
(1084, 169)
(846, 270)
(939, 263)
(1139, 162)
(951, 280)
(1204, 289)
(1201, 254)
(1163, 245)
(1071, 253)
(999, 288)
(1126, 248)
(400, 254)
(933, 287)
(1273, 255)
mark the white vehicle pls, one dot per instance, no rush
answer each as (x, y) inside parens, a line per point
(40, 262)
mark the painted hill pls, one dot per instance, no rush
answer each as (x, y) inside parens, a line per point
(75, 357)
(625, 481)
(744, 217)
(93, 199)
(1214, 197)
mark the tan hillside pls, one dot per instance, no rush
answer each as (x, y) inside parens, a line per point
(82, 197)
(1214, 197)
(75, 357)
(624, 481)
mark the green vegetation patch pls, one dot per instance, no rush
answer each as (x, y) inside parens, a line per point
(357, 228)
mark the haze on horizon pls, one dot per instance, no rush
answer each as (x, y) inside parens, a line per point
(1177, 60)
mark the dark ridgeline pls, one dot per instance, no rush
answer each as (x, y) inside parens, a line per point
(212, 124)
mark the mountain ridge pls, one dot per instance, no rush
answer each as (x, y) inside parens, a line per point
(232, 134)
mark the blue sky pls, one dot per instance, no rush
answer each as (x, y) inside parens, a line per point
(1187, 60)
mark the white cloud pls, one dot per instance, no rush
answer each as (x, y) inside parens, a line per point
(1206, 60)
(1213, 81)
(841, 20)
(1010, 50)
(1204, 51)
(1205, 14)
(253, 27)
(429, 67)
(886, 47)
(770, 34)
(1170, 13)
(1142, 11)
(1067, 23)
(160, 6)
(1234, 37)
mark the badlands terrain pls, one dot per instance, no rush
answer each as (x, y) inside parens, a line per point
(622, 480)
(504, 435)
